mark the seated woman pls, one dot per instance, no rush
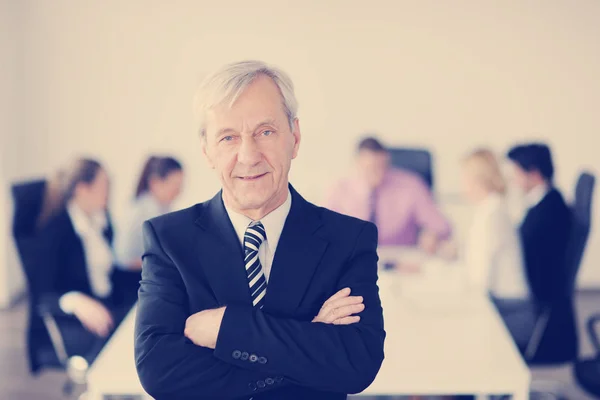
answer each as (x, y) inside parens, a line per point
(493, 255)
(78, 266)
(159, 185)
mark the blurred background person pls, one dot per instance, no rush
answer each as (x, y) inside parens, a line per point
(396, 200)
(492, 254)
(77, 270)
(159, 185)
(545, 232)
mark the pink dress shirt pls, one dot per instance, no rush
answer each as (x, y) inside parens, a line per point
(403, 207)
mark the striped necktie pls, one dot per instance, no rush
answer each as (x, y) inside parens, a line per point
(253, 238)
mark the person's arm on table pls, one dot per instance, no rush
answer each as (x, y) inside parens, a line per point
(338, 358)
(168, 364)
(434, 226)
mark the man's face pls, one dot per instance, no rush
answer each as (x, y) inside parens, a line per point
(372, 166)
(521, 178)
(251, 146)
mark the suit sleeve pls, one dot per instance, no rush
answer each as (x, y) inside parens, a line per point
(321, 356)
(46, 255)
(168, 364)
(544, 245)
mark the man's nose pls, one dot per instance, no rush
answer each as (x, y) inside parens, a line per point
(248, 152)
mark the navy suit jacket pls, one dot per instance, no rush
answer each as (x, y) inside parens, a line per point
(545, 235)
(194, 261)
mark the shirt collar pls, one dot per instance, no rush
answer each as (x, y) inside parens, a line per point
(273, 222)
(535, 195)
(83, 223)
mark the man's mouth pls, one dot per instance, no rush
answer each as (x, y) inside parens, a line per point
(252, 177)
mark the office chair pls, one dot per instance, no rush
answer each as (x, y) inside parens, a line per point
(419, 161)
(46, 346)
(587, 371)
(561, 318)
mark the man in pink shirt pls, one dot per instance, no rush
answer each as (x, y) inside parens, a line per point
(397, 201)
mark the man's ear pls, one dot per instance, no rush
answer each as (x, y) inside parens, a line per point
(297, 137)
(207, 157)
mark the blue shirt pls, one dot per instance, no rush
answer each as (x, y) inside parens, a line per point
(129, 243)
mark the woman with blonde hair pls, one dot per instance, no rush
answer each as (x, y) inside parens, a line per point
(493, 256)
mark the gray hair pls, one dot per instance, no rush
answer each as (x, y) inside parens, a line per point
(229, 82)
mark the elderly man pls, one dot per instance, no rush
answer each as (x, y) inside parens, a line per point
(396, 200)
(256, 293)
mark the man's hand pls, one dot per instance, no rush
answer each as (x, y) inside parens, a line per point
(203, 327)
(448, 250)
(428, 242)
(408, 267)
(93, 315)
(339, 309)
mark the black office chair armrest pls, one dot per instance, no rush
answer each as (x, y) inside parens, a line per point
(49, 304)
(48, 309)
(538, 333)
(594, 333)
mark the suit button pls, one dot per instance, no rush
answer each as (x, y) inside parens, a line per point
(278, 379)
(252, 386)
(236, 354)
(244, 356)
(262, 360)
(253, 358)
(261, 384)
(269, 381)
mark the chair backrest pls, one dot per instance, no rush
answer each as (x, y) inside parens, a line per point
(27, 198)
(581, 210)
(419, 161)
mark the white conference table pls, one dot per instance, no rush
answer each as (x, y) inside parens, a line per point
(441, 340)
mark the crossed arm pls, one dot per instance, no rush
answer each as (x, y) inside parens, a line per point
(182, 356)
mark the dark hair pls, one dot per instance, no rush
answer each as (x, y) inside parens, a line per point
(60, 188)
(372, 144)
(156, 167)
(533, 157)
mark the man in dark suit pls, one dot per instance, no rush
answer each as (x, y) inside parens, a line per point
(257, 293)
(545, 233)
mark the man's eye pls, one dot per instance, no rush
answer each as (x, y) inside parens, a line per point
(227, 139)
(267, 133)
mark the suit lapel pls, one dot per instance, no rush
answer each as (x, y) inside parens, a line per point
(220, 254)
(297, 256)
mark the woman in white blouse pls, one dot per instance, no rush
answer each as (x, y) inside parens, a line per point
(78, 259)
(159, 185)
(492, 256)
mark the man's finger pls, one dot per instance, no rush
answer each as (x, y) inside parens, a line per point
(346, 301)
(340, 294)
(347, 320)
(344, 311)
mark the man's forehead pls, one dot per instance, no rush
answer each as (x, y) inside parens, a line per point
(224, 119)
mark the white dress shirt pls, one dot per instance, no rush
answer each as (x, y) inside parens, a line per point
(129, 240)
(493, 253)
(97, 251)
(273, 223)
(536, 195)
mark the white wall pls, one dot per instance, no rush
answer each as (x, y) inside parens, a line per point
(115, 79)
(11, 278)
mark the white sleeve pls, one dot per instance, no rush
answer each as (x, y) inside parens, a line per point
(482, 252)
(68, 301)
(129, 244)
